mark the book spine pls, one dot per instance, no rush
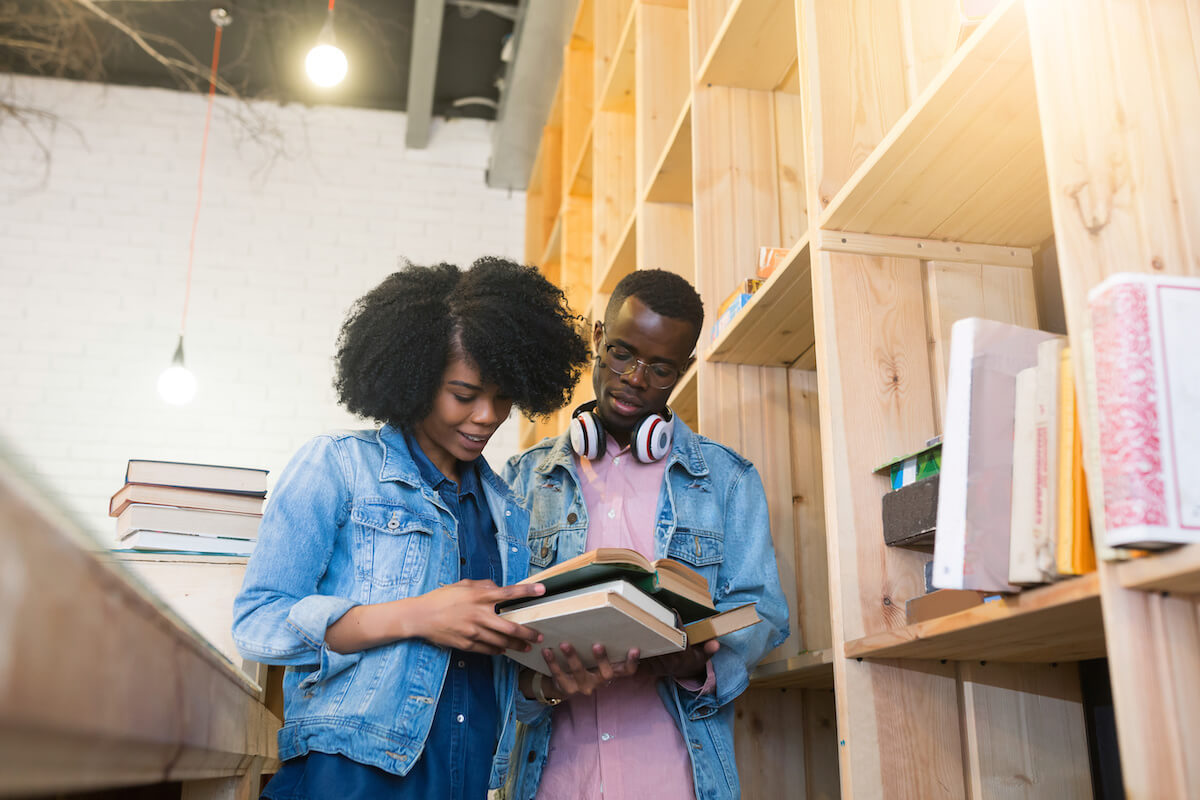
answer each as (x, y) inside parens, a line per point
(1127, 401)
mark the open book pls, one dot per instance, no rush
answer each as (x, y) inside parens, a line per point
(618, 615)
(671, 583)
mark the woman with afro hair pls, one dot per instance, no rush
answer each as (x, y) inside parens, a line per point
(383, 552)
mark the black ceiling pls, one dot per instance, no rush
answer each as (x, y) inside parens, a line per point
(263, 50)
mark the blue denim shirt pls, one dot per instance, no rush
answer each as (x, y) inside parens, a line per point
(351, 522)
(712, 516)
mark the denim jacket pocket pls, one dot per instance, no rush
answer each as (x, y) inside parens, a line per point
(393, 544)
(699, 548)
(543, 547)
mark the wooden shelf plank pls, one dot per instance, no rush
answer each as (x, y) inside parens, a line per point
(671, 181)
(618, 91)
(551, 254)
(623, 260)
(581, 172)
(755, 46)
(684, 399)
(1177, 571)
(776, 326)
(1059, 622)
(965, 163)
(110, 687)
(811, 670)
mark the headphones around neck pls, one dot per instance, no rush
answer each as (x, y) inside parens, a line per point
(650, 439)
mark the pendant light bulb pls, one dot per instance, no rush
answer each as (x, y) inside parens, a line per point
(176, 384)
(326, 64)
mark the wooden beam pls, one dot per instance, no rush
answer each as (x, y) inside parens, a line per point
(422, 71)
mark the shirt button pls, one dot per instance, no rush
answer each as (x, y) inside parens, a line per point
(460, 718)
(612, 513)
(508, 513)
(461, 663)
(617, 460)
(604, 737)
(514, 548)
(572, 518)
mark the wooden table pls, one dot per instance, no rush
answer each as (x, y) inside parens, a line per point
(101, 684)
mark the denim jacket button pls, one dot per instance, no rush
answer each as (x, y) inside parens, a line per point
(393, 523)
(572, 518)
(545, 550)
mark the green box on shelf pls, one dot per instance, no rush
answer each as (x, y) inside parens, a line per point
(908, 469)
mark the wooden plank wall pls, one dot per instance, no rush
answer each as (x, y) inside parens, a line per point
(1119, 89)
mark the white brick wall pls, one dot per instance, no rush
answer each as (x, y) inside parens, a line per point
(93, 257)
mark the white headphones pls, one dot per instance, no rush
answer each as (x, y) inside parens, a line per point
(650, 439)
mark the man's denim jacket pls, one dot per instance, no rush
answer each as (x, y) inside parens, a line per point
(712, 515)
(350, 522)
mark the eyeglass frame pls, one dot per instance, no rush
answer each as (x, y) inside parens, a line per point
(637, 362)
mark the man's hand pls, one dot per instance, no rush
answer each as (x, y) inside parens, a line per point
(689, 663)
(576, 679)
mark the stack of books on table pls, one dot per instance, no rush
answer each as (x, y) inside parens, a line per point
(178, 507)
(616, 597)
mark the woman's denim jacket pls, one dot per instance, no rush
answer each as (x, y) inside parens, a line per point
(351, 522)
(712, 515)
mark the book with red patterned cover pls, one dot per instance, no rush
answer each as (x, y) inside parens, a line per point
(1147, 397)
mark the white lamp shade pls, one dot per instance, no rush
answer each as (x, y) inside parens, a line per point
(177, 385)
(326, 65)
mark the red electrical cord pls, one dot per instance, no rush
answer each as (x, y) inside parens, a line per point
(212, 91)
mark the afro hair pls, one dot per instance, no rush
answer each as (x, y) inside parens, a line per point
(511, 323)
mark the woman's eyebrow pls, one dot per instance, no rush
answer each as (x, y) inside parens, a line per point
(466, 385)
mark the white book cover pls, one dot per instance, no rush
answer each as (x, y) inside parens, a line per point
(1147, 395)
(1022, 563)
(614, 613)
(1046, 448)
(186, 543)
(174, 519)
(971, 547)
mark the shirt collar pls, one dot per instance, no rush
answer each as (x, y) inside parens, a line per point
(433, 477)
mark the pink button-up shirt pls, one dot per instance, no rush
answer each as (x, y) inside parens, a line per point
(620, 743)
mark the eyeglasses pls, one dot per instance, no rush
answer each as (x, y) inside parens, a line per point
(658, 374)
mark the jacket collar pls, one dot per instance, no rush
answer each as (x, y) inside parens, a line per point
(685, 451)
(398, 462)
(400, 465)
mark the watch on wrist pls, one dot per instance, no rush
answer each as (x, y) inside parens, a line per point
(539, 694)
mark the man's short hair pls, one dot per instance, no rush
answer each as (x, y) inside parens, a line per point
(663, 292)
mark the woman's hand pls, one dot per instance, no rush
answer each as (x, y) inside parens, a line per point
(577, 679)
(689, 663)
(461, 615)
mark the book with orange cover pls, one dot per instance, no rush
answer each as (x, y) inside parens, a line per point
(1075, 553)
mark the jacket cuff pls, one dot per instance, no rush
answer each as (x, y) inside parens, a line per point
(531, 712)
(310, 618)
(730, 678)
(707, 686)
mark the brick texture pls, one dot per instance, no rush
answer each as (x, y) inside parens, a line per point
(95, 214)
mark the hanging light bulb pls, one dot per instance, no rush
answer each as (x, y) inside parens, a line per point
(326, 64)
(177, 384)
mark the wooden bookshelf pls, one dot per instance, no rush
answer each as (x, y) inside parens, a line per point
(965, 162)
(683, 398)
(1059, 622)
(809, 670)
(775, 328)
(671, 180)
(552, 253)
(1174, 572)
(617, 93)
(580, 174)
(765, 29)
(916, 165)
(624, 257)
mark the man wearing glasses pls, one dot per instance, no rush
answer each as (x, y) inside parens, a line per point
(628, 474)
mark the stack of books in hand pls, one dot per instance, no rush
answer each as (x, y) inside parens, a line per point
(189, 508)
(616, 597)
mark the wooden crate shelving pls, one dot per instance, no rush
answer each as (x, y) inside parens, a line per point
(914, 165)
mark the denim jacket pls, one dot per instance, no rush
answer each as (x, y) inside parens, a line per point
(712, 516)
(350, 522)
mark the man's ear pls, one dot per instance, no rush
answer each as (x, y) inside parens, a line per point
(597, 335)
